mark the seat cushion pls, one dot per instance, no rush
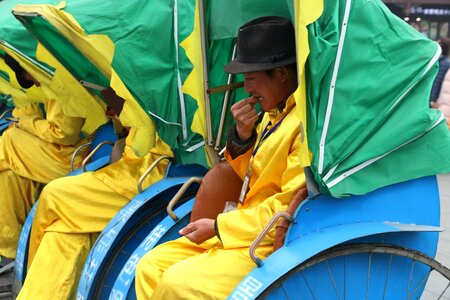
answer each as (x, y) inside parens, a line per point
(220, 185)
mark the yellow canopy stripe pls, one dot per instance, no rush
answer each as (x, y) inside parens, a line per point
(305, 12)
(17, 95)
(194, 84)
(133, 114)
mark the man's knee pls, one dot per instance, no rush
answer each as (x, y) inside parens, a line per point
(48, 191)
(57, 187)
(50, 196)
(175, 282)
(141, 269)
(147, 274)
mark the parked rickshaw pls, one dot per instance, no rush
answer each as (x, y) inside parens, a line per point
(370, 225)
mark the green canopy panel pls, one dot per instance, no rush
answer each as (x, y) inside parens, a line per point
(15, 39)
(6, 100)
(13, 32)
(80, 67)
(229, 15)
(369, 80)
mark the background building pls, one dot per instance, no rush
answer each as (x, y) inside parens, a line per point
(431, 17)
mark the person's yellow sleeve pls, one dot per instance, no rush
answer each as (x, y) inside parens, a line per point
(30, 109)
(239, 228)
(240, 163)
(55, 128)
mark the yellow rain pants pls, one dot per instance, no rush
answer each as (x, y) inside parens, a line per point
(37, 151)
(73, 209)
(14, 213)
(181, 269)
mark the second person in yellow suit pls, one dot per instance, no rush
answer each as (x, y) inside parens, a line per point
(36, 149)
(72, 211)
(212, 256)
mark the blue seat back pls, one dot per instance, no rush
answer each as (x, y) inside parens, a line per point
(103, 133)
(412, 202)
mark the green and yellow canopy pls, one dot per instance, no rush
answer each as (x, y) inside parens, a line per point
(56, 81)
(364, 79)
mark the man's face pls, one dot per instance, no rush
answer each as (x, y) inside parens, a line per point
(267, 89)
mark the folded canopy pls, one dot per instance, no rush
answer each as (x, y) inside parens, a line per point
(364, 78)
(56, 82)
(148, 53)
(366, 75)
(369, 78)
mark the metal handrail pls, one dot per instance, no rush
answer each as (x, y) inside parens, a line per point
(83, 164)
(226, 99)
(75, 153)
(204, 47)
(178, 195)
(264, 232)
(5, 112)
(147, 172)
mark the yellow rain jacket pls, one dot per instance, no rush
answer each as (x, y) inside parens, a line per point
(215, 267)
(37, 150)
(277, 175)
(29, 109)
(72, 211)
(40, 148)
(133, 167)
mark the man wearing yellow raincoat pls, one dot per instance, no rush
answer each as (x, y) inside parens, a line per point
(72, 211)
(212, 256)
(36, 149)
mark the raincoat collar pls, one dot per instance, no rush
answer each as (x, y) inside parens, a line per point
(276, 115)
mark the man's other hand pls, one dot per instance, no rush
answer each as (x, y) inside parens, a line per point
(199, 231)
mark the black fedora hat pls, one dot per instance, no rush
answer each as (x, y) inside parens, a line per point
(15, 66)
(263, 44)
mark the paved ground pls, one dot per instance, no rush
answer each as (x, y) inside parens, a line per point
(437, 283)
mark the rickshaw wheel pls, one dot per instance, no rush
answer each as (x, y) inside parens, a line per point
(364, 271)
(119, 254)
(138, 228)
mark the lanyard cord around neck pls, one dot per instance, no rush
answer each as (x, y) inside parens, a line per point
(266, 133)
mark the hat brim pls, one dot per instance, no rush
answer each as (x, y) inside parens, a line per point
(235, 67)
